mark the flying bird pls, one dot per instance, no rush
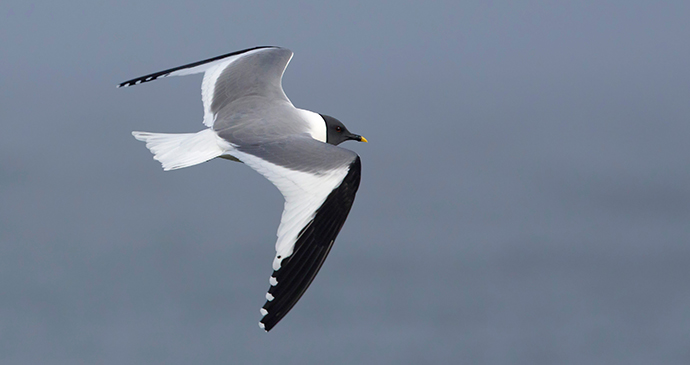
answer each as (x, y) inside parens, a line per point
(249, 119)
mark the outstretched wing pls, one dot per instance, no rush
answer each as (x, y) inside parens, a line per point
(319, 182)
(253, 71)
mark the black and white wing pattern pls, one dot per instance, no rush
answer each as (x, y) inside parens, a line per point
(319, 192)
(238, 71)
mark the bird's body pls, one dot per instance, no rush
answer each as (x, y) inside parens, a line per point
(251, 120)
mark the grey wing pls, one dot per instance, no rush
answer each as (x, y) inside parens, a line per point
(319, 182)
(258, 73)
(251, 72)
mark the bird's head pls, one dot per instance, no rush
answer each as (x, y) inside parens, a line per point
(337, 133)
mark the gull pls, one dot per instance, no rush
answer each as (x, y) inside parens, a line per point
(249, 119)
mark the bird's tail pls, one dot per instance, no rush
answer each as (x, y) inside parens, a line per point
(178, 150)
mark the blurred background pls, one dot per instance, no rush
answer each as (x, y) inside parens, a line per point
(525, 194)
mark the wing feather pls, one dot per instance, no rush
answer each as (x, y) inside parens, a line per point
(316, 206)
(224, 83)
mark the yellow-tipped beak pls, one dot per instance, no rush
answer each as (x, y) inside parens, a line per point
(363, 139)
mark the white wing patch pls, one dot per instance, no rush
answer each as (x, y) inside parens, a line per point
(208, 88)
(304, 193)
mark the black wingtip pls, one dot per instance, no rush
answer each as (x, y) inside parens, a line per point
(164, 73)
(311, 249)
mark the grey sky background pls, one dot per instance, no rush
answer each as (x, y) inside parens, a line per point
(525, 196)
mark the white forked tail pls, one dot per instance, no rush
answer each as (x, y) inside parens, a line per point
(178, 150)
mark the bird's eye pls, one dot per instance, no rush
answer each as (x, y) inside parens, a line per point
(338, 129)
